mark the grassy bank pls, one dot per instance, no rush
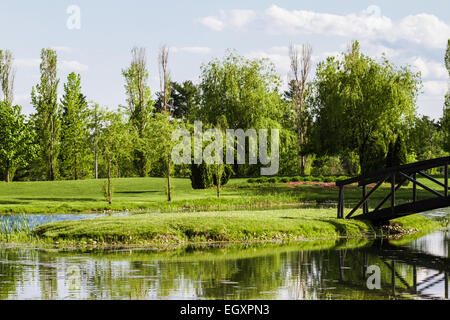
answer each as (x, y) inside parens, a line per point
(200, 227)
(149, 194)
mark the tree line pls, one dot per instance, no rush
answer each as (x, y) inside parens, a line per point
(356, 114)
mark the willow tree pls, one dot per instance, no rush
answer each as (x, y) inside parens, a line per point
(358, 102)
(44, 97)
(244, 92)
(139, 103)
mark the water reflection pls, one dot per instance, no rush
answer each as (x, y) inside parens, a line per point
(307, 270)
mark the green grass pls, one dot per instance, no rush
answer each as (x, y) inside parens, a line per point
(149, 194)
(158, 229)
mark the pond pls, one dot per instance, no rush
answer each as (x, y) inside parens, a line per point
(336, 269)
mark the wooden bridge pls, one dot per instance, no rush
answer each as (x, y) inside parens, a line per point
(397, 176)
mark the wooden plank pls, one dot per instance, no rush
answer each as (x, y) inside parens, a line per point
(366, 197)
(422, 185)
(372, 177)
(389, 195)
(423, 174)
(405, 209)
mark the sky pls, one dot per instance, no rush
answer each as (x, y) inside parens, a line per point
(95, 38)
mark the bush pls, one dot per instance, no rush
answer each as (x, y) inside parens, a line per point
(201, 176)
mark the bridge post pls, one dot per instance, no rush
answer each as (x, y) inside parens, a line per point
(393, 193)
(340, 214)
(446, 179)
(366, 203)
(414, 187)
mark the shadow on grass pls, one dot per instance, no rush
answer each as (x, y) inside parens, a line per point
(60, 199)
(136, 192)
(342, 227)
(12, 202)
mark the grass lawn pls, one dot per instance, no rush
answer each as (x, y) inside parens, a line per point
(232, 226)
(149, 194)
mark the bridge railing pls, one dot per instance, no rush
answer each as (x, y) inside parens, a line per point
(404, 173)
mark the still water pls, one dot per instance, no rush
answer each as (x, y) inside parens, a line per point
(337, 269)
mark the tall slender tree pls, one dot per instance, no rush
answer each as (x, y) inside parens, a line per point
(115, 141)
(95, 120)
(74, 130)
(139, 103)
(164, 79)
(7, 75)
(300, 68)
(44, 97)
(446, 114)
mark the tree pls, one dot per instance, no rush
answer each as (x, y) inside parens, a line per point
(7, 75)
(446, 114)
(116, 140)
(424, 139)
(16, 139)
(44, 97)
(95, 120)
(139, 102)
(164, 79)
(300, 68)
(244, 92)
(183, 99)
(446, 123)
(158, 143)
(74, 150)
(356, 99)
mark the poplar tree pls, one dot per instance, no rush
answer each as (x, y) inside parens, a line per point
(7, 75)
(446, 115)
(139, 103)
(44, 98)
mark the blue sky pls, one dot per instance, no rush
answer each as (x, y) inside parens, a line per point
(408, 32)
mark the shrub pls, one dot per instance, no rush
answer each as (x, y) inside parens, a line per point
(201, 176)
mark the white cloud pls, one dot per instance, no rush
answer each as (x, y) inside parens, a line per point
(435, 89)
(213, 23)
(235, 19)
(193, 50)
(73, 65)
(429, 69)
(421, 29)
(240, 18)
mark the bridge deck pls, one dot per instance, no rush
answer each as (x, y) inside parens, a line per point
(403, 173)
